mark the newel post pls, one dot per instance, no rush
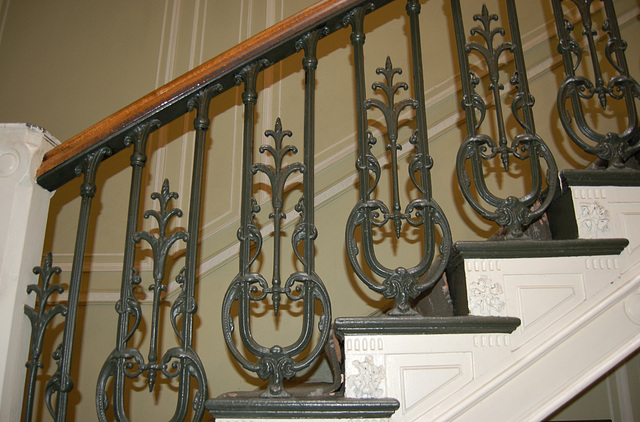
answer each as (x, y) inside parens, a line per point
(24, 208)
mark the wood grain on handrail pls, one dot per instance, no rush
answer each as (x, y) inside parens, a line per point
(212, 70)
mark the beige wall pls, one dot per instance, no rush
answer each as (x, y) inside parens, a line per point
(614, 397)
(67, 64)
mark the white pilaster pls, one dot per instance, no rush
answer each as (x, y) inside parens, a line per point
(24, 208)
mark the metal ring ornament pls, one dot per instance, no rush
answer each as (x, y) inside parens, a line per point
(514, 214)
(614, 149)
(401, 284)
(276, 363)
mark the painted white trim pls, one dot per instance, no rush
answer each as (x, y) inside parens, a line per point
(625, 403)
(24, 208)
(571, 389)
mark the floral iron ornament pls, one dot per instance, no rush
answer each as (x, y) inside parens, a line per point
(278, 363)
(401, 284)
(40, 317)
(178, 362)
(512, 213)
(614, 149)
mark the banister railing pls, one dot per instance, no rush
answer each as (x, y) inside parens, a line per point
(371, 215)
(170, 101)
(131, 126)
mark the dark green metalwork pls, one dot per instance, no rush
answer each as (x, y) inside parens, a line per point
(512, 213)
(178, 362)
(415, 325)
(160, 246)
(278, 363)
(613, 148)
(306, 231)
(401, 284)
(61, 382)
(40, 319)
(127, 306)
(301, 408)
(185, 305)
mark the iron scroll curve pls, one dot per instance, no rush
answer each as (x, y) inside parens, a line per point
(513, 214)
(40, 317)
(278, 363)
(613, 149)
(400, 284)
(180, 361)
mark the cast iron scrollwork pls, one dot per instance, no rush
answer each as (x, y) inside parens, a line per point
(277, 363)
(160, 246)
(181, 362)
(401, 284)
(176, 361)
(40, 319)
(512, 213)
(614, 149)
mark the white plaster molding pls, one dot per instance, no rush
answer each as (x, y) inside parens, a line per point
(363, 344)
(486, 297)
(368, 382)
(593, 220)
(590, 325)
(610, 212)
(552, 372)
(423, 370)
(23, 210)
(491, 340)
(632, 307)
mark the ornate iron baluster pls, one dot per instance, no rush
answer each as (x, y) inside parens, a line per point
(422, 161)
(512, 213)
(613, 148)
(306, 231)
(61, 382)
(127, 306)
(277, 363)
(185, 305)
(186, 363)
(401, 284)
(40, 319)
(160, 246)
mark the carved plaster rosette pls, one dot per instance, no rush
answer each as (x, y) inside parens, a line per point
(593, 220)
(486, 297)
(368, 382)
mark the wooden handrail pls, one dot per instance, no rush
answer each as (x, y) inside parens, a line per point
(169, 101)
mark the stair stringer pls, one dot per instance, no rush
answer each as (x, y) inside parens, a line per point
(507, 377)
(538, 378)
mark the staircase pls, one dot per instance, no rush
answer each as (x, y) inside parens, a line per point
(578, 320)
(505, 326)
